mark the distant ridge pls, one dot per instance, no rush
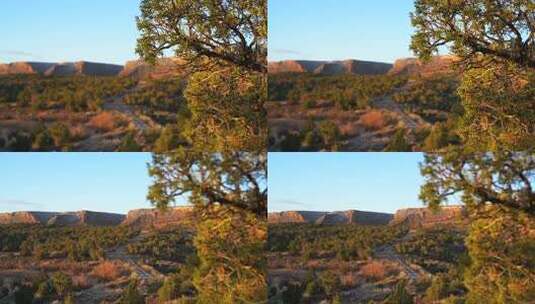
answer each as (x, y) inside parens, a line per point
(351, 66)
(139, 218)
(330, 218)
(403, 66)
(412, 217)
(138, 69)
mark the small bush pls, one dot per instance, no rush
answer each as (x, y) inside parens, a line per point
(374, 270)
(107, 271)
(373, 120)
(106, 122)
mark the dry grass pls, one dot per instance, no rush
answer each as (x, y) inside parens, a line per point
(81, 281)
(108, 271)
(350, 279)
(107, 121)
(374, 270)
(373, 120)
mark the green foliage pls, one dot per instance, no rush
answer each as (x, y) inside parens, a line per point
(80, 243)
(227, 104)
(499, 108)
(24, 295)
(62, 283)
(232, 31)
(232, 179)
(399, 295)
(348, 92)
(429, 245)
(168, 291)
(501, 178)
(129, 144)
(438, 289)
(503, 258)
(174, 245)
(502, 30)
(230, 246)
(432, 98)
(355, 241)
(330, 282)
(131, 294)
(399, 143)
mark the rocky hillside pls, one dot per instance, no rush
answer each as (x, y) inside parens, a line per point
(405, 66)
(415, 67)
(351, 66)
(61, 69)
(294, 217)
(163, 68)
(425, 217)
(413, 217)
(330, 218)
(62, 218)
(158, 219)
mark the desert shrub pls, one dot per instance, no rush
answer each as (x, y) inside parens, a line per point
(330, 282)
(44, 290)
(438, 289)
(329, 134)
(106, 122)
(168, 140)
(129, 144)
(19, 142)
(292, 294)
(373, 120)
(62, 283)
(60, 134)
(399, 295)
(24, 295)
(107, 271)
(168, 291)
(230, 246)
(374, 270)
(399, 143)
(131, 294)
(43, 141)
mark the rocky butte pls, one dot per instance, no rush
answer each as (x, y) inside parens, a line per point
(405, 66)
(412, 217)
(138, 69)
(330, 218)
(139, 218)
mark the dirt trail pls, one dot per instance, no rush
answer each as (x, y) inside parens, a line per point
(388, 103)
(121, 254)
(387, 252)
(116, 103)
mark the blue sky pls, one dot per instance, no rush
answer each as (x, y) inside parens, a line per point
(67, 30)
(108, 182)
(377, 30)
(382, 182)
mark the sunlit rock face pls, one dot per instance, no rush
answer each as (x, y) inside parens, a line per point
(425, 217)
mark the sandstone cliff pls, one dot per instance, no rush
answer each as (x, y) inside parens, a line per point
(25, 68)
(294, 217)
(158, 219)
(415, 67)
(330, 218)
(164, 67)
(356, 67)
(425, 217)
(25, 217)
(62, 218)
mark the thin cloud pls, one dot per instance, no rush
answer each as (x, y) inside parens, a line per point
(18, 53)
(18, 203)
(290, 202)
(285, 52)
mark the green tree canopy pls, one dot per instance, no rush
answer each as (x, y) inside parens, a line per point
(499, 29)
(504, 179)
(236, 179)
(230, 31)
